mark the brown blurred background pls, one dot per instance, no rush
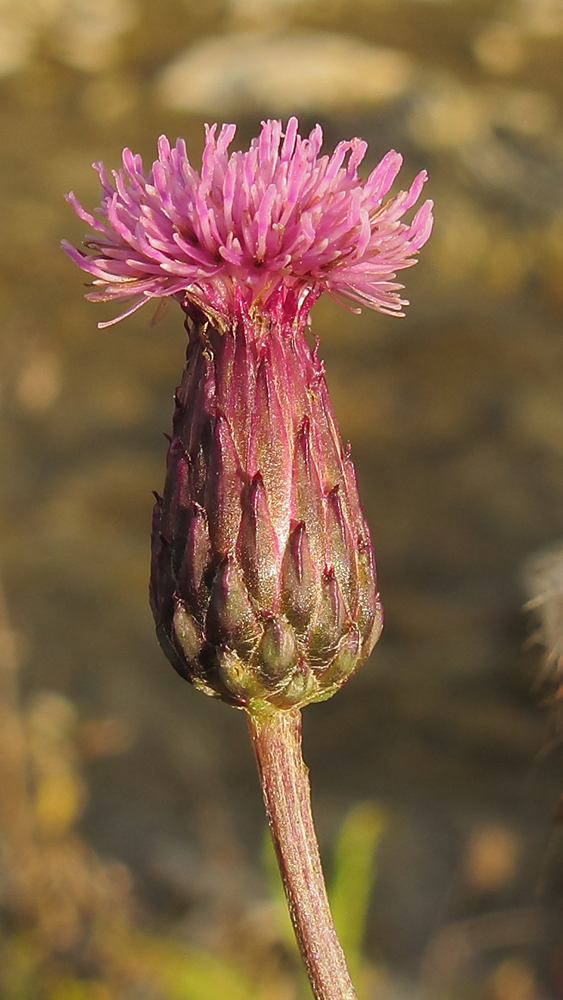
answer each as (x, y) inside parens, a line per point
(456, 419)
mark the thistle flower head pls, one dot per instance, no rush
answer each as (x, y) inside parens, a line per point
(263, 584)
(277, 218)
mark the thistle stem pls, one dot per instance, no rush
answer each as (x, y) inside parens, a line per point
(276, 737)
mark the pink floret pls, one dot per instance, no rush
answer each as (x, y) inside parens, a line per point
(251, 223)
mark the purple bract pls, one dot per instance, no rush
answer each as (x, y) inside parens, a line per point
(275, 217)
(263, 583)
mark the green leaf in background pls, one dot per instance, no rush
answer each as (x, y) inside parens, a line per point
(353, 878)
(189, 973)
(74, 989)
(349, 891)
(204, 976)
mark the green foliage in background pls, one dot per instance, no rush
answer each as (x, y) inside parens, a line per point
(349, 890)
(166, 970)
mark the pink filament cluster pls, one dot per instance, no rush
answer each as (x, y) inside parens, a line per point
(277, 215)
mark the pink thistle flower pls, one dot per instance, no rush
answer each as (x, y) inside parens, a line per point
(276, 217)
(263, 583)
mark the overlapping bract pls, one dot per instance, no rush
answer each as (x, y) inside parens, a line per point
(278, 214)
(263, 580)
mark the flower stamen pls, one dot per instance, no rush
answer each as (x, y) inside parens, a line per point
(277, 217)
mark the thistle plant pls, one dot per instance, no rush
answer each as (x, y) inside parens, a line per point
(263, 584)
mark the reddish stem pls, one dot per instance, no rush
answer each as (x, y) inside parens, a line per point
(276, 737)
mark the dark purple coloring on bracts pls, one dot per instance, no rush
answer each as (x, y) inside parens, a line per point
(263, 580)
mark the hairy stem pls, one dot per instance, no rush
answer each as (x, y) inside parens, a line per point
(276, 737)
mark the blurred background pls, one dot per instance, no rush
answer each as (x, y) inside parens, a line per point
(130, 815)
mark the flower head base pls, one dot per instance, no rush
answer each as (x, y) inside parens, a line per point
(263, 584)
(276, 218)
